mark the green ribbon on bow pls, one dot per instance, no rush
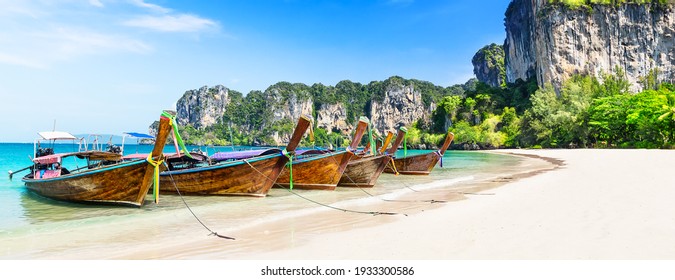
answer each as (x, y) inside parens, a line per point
(176, 135)
(405, 145)
(290, 166)
(155, 177)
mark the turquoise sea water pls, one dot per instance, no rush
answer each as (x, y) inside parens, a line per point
(26, 213)
(23, 208)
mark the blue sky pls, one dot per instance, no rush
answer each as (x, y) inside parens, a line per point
(110, 66)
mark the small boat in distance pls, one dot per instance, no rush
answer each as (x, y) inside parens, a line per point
(247, 173)
(320, 169)
(115, 182)
(418, 164)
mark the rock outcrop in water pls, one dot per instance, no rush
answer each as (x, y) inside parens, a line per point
(552, 42)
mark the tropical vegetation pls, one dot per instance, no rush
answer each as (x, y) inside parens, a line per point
(585, 111)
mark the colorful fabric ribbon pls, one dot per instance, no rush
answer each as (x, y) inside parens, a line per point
(311, 133)
(393, 165)
(176, 135)
(155, 182)
(285, 153)
(405, 142)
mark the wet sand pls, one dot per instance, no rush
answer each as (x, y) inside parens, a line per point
(261, 226)
(554, 205)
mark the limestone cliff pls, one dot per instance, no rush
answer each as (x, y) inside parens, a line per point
(402, 105)
(488, 65)
(268, 118)
(288, 101)
(551, 42)
(332, 117)
(203, 107)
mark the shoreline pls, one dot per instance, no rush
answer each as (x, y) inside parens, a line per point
(175, 234)
(601, 205)
(273, 240)
(554, 205)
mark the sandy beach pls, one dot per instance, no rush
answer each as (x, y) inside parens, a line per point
(573, 205)
(600, 205)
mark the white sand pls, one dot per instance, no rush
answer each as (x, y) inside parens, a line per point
(603, 204)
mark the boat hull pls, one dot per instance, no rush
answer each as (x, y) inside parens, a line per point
(250, 177)
(321, 172)
(363, 172)
(415, 165)
(124, 184)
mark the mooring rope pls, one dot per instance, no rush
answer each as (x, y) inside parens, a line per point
(193, 213)
(391, 200)
(457, 192)
(374, 213)
(414, 190)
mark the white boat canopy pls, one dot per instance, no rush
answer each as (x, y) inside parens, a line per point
(56, 135)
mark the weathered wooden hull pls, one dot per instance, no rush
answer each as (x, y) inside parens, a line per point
(321, 172)
(363, 172)
(250, 177)
(415, 165)
(125, 183)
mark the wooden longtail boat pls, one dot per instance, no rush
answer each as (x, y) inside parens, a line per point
(249, 173)
(363, 170)
(124, 183)
(419, 164)
(321, 170)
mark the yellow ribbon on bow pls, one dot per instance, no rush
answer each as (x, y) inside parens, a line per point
(393, 165)
(155, 187)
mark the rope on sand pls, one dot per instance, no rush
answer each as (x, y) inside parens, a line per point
(374, 213)
(193, 213)
(393, 200)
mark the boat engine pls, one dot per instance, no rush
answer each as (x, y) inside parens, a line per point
(114, 149)
(44, 152)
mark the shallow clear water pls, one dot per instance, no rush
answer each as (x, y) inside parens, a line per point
(22, 208)
(25, 213)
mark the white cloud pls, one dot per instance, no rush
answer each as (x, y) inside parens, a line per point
(37, 34)
(96, 3)
(171, 23)
(152, 7)
(19, 8)
(74, 41)
(20, 61)
(41, 49)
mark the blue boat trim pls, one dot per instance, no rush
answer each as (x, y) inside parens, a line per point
(87, 172)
